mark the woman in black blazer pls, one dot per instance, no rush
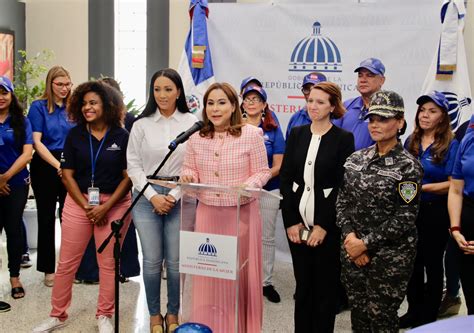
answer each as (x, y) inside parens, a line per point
(311, 174)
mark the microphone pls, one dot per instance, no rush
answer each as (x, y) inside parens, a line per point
(183, 137)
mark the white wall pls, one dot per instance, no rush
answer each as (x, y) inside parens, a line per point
(60, 26)
(179, 27)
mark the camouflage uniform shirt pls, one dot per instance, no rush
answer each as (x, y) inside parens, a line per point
(379, 199)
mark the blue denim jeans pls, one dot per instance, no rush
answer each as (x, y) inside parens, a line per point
(159, 237)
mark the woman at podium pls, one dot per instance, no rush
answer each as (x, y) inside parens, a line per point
(228, 153)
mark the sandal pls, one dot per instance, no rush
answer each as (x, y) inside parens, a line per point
(18, 292)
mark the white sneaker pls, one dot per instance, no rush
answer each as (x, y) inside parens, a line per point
(105, 324)
(49, 325)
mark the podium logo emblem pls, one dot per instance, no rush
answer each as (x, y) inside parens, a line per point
(207, 249)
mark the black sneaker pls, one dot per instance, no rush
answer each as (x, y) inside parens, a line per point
(4, 307)
(271, 294)
(25, 261)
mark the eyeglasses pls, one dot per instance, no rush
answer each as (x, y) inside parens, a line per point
(306, 90)
(252, 100)
(61, 85)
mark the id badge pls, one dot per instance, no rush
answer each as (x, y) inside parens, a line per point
(94, 196)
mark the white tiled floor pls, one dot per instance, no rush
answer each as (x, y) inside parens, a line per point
(31, 310)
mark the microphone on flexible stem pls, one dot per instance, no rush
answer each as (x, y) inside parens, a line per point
(183, 137)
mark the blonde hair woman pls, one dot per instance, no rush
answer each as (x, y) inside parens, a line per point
(50, 127)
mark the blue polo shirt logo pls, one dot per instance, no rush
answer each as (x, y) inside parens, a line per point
(114, 147)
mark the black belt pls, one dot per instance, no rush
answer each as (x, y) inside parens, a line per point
(164, 178)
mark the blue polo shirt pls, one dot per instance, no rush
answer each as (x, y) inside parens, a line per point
(436, 172)
(299, 118)
(111, 162)
(353, 121)
(53, 126)
(464, 164)
(470, 127)
(10, 150)
(274, 144)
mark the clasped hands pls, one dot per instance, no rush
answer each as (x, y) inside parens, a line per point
(466, 246)
(162, 204)
(4, 187)
(356, 250)
(97, 214)
(316, 237)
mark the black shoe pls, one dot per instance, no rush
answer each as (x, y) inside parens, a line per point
(25, 261)
(271, 294)
(4, 307)
(408, 320)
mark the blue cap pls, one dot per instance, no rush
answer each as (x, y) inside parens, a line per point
(314, 78)
(258, 90)
(436, 97)
(6, 83)
(249, 79)
(373, 65)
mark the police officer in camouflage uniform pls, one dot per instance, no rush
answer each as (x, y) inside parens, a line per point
(376, 211)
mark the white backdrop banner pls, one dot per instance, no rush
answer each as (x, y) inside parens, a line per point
(280, 43)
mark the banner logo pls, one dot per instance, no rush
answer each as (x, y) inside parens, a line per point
(207, 249)
(455, 107)
(316, 53)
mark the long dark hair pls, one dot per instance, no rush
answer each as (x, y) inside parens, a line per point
(173, 75)
(112, 103)
(442, 137)
(17, 121)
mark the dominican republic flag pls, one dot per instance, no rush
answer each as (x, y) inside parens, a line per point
(448, 72)
(195, 66)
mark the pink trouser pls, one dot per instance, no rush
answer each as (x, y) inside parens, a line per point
(76, 231)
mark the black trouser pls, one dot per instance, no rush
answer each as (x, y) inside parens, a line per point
(48, 190)
(466, 268)
(129, 265)
(432, 225)
(11, 213)
(317, 273)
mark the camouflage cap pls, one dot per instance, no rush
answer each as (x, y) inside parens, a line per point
(387, 104)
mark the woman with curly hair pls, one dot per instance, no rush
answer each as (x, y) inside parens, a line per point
(94, 173)
(16, 148)
(50, 127)
(433, 143)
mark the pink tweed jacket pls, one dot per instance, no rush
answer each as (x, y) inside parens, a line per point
(227, 160)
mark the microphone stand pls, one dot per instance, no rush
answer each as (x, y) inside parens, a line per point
(116, 226)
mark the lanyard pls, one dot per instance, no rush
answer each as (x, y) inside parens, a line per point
(94, 159)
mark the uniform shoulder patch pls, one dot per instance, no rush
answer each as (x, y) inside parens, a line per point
(408, 190)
